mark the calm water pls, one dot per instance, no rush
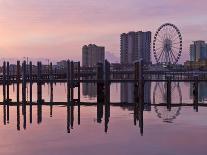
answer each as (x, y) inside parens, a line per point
(181, 131)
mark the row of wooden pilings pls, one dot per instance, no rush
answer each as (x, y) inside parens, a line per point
(24, 75)
(103, 93)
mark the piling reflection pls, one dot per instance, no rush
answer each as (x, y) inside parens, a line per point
(103, 104)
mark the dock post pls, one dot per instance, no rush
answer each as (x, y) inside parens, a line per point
(68, 80)
(107, 94)
(18, 80)
(24, 82)
(39, 82)
(141, 85)
(51, 89)
(18, 107)
(136, 92)
(4, 81)
(141, 96)
(8, 81)
(100, 92)
(107, 81)
(30, 78)
(79, 92)
(79, 81)
(72, 81)
(39, 92)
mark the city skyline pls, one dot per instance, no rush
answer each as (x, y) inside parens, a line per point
(59, 29)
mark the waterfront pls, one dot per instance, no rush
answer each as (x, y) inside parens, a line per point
(184, 134)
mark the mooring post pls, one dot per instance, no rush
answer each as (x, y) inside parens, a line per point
(136, 83)
(72, 81)
(68, 80)
(107, 81)
(100, 91)
(8, 81)
(100, 83)
(24, 89)
(79, 81)
(39, 82)
(141, 85)
(24, 82)
(169, 92)
(18, 80)
(136, 91)
(79, 92)
(141, 95)
(30, 79)
(107, 93)
(51, 89)
(4, 81)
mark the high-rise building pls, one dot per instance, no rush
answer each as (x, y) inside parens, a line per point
(198, 51)
(135, 46)
(92, 54)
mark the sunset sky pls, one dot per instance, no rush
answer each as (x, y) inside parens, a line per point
(57, 29)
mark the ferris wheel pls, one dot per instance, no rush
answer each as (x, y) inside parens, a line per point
(167, 44)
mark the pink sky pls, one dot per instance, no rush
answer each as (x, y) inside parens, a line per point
(57, 29)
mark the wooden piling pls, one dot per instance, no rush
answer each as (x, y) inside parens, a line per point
(79, 92)
(30, 90)
(39, 92)
(18, 79)
(39, 82)
(24, 82)
(51, 88)
(30, 79)
(79, 81)
(72, 81)
(100, 91)
(7, 81)
(68, 81)
(4, 81)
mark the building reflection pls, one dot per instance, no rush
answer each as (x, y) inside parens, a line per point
(127, 94)
(89, 90)
(202, 91)
(129, 100)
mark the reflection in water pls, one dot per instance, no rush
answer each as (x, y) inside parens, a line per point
(160, 93)
(89, 90)
(167, 114)
(202, 91)
(128, 92)
(129, 100)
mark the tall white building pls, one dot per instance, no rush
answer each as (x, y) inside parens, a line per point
(92, 54)
(198, 51)
(134, 46)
